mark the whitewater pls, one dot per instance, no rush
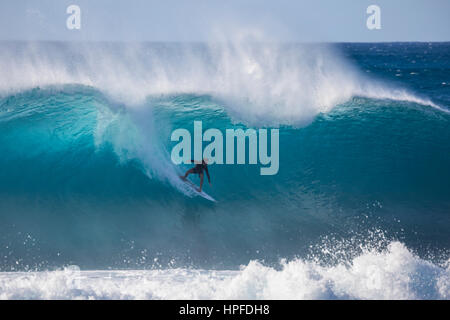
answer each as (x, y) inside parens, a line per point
(91, 206)
(394, 274)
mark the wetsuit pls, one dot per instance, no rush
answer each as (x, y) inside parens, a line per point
(199, 168)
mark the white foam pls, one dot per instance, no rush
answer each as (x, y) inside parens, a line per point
(395, 273)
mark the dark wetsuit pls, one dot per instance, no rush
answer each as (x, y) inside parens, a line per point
(199, 168)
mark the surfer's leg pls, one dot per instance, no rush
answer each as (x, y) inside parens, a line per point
(187, 173)
(201, 181)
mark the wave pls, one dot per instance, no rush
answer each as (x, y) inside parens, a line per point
(75, 163)
(395, 273)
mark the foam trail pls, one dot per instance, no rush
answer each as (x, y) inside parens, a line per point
(393, 274)
(134, 135)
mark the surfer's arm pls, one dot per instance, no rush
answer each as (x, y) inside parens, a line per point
(207, 174)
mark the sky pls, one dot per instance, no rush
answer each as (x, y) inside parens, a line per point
(209, 20)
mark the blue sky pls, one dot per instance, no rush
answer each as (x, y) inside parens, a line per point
(203, 20)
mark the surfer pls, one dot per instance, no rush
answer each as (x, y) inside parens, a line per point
(198, 169)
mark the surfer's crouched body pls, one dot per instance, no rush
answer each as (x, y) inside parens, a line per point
(198, 169)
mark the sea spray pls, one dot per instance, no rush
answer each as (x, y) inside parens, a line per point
(259, 83)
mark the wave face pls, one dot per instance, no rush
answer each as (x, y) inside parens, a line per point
(86, 177)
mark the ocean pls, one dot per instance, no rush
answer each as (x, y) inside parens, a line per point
(91, 205)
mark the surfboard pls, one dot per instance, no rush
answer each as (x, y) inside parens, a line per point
(194, 187)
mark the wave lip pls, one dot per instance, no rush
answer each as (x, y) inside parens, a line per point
(259, 83)
(393, 274)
